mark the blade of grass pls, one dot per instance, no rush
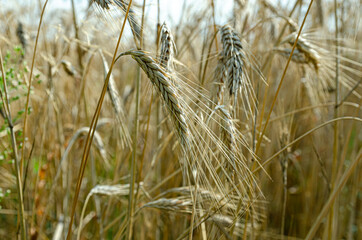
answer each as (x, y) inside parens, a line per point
(6, 103)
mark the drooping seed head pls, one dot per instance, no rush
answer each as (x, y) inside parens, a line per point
(162, 81)
(303, 46)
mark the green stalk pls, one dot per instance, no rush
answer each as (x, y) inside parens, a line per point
(7, 112)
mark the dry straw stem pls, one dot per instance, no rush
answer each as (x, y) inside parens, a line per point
(19, 166)
(132, 200)
(329, 204)
(162, 81)
(268, 5)
(282, 79)
(77, 134)
(292, 24)
(331, 220)
(93, 127)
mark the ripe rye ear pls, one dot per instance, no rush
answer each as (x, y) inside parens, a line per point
(163, 83)
(168, 47)
(231, 72)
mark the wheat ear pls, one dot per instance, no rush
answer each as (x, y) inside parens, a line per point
(304, 47)
(168, 47)
(162, 81)
(233, 58)
(105, 4)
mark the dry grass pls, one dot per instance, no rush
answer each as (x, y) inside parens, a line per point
(215, 131)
